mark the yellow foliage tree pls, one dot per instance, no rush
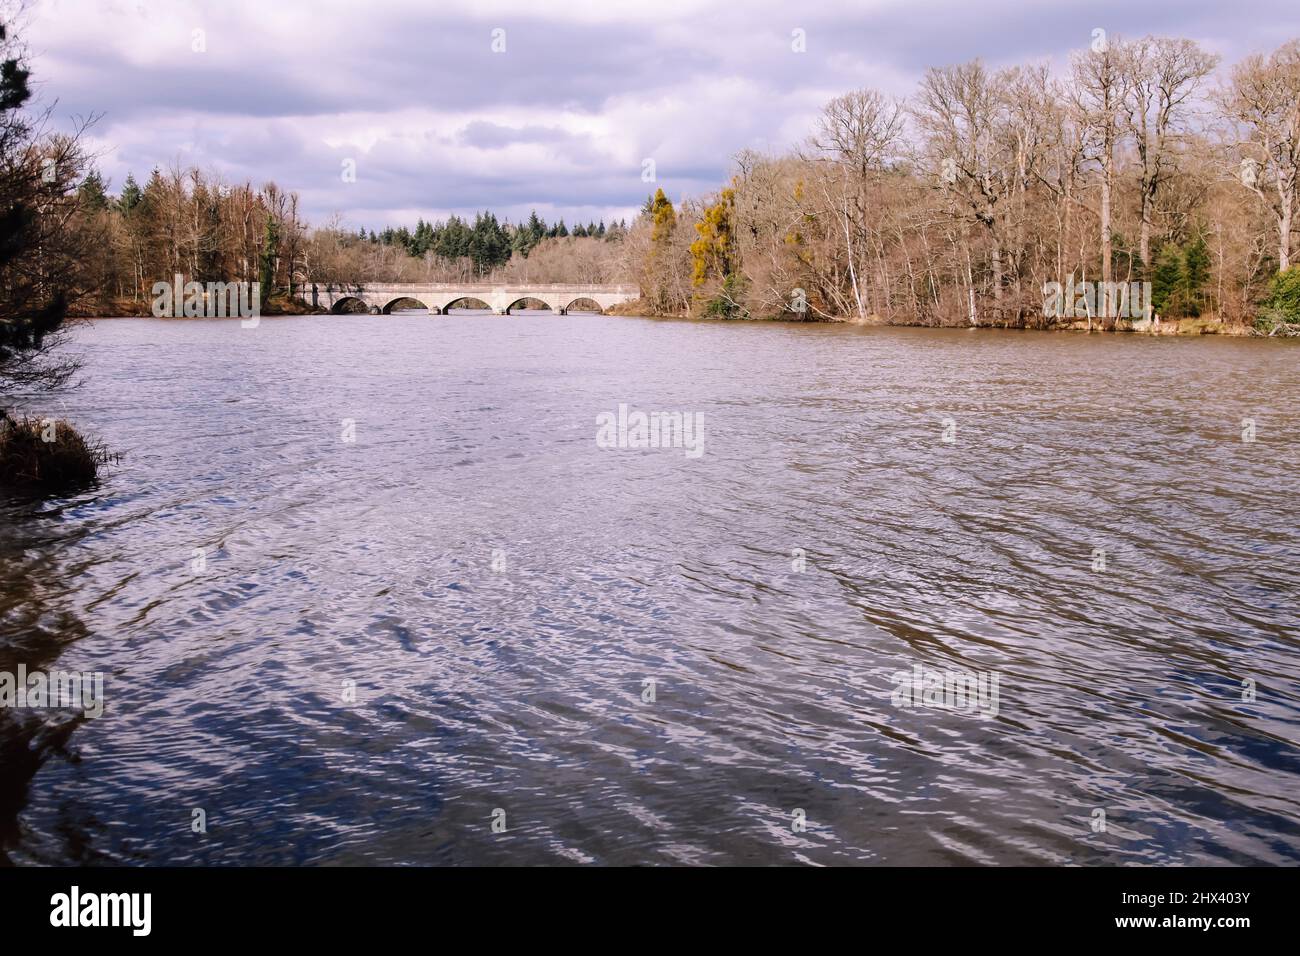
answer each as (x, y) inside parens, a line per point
(713, 253)
(657, 282)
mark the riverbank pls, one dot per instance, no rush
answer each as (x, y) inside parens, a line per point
(1198, 326)
(118, 307)
(280, 306)
(1188, 326)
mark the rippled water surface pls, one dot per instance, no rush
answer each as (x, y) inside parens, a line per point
(523, 689)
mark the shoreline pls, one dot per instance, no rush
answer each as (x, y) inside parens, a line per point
(1183, 328)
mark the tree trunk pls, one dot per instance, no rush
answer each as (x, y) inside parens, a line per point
(1107, 172)
(1284, 235)
(1144, 240)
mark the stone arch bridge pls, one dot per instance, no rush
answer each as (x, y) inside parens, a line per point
(381, 297)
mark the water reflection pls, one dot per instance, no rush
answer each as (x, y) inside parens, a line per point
(38, 624)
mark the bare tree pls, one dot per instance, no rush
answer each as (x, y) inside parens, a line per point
(1100, 90)
(1162, 76)
(859, 133)
(1262, 100)
(963, 112)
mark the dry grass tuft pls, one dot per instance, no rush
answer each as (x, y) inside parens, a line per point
(48, 454)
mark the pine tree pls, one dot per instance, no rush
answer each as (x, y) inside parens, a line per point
(130, 195)
(1196, 273)
(1168, 282)
(92, 192)
(270, 252)
(1282, 308)
(42, 254)
(536, 229)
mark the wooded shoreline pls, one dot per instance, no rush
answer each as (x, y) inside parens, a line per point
(1170, 327)
(1144, 162)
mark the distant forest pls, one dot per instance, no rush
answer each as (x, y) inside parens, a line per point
(191, 222)
(486, 242)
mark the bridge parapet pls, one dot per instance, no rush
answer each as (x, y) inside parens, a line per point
(437, 296)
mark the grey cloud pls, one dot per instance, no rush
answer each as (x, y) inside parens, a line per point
(262, 106)
(487, 135)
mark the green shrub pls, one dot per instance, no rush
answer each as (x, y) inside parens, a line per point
(726, 303)
(1282, 307)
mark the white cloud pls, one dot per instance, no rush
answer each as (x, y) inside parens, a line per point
(561, 121)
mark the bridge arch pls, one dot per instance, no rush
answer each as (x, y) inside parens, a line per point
(468, 302)
(394, 303)
(536, 304)
(337, 297)
(350, 305)
(584, 304)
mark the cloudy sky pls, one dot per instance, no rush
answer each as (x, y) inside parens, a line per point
(561, 119)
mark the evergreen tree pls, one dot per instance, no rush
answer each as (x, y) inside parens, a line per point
(1168, 281)
(42, 256)
(1180, 277)
(520, 242)
(92, 192)
(536, 227)
(270, 252)
(1196, 273)
(130, 196)
(1282, 308)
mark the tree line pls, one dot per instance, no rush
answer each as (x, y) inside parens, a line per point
(1143, 162)
(486, 242)
(959, 203)
(190, 222)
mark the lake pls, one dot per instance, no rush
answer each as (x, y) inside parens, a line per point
(369, 589)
